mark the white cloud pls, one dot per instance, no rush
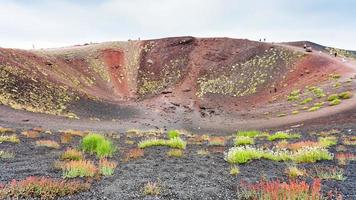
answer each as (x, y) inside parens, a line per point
(58, 23)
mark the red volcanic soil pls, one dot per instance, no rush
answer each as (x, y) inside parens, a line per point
(114, 61)
(177, 82)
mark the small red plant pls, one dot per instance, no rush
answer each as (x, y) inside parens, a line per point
(41, 187)
(343, 158)
(216, 141)
(47, 143)
(276, 190)
(134, 154)
(79, 168)
(302, 144)
(66, 138)
(30, 133)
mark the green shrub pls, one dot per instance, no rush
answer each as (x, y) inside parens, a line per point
(105, 149)
(176, 143)
(282, 135)
(98, 144)
(251, 133)
(243, 140)
(243, 154)
(332, 97)
(305, 101)
(151, 143)
(334, 102)
(311, 155)
(345, 95)
(173, 143)
(277, 155)
(173, 134)
(91, 142)
(327, 141)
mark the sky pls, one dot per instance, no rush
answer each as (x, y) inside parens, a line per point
(57, 23)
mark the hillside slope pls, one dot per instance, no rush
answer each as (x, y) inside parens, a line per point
(191, 77)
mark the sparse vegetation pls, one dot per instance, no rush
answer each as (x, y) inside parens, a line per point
(251, 133)
(293, 190)
(30, 133)
(333, 97)
(307, 100)
(314, 108)
(318, 92)
(47, 143)
(216, 141)
(344, 158)
(202, 152)
(334, 102)
(9, 138)
(176, 143)
(282, 135)
(152, 142)
(330, 173)
(294, 95)
(245, 154)
(134, 154)
(243, 140)
(106, 167)
(173, 143)
(302, 144)
(4, 130)
(349, 140)
(234, 170)
(281, 115)
(327, 141)
(66, 138)
(294, 172)
(74, 132)
(151, 189)
(41, 187)
(311, 155)
(345, 95)
(175, 153)
(72, 154)
(79, 168)
(6, 155)
(98, 144)
(295, 112)
(173, 134)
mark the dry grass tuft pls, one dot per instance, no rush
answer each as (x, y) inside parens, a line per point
(151, 189)
(135, 153)
(48, 143)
